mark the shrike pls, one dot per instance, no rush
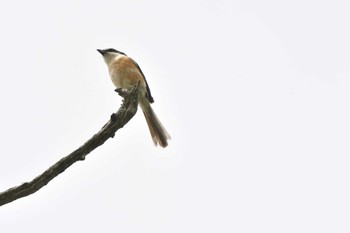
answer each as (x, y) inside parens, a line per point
(126, 73)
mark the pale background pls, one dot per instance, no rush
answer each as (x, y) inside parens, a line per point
(255, 95)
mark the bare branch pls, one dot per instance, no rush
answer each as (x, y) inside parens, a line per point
(118, 120)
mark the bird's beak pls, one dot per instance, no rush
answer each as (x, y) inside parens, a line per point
(101, 51)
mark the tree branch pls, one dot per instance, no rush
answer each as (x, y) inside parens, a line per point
(127, 110)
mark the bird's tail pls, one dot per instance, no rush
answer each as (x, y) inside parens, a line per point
(159, 135)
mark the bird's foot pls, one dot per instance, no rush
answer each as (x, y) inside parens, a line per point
(122, 92)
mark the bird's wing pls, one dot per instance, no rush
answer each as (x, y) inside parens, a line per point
(148, 91)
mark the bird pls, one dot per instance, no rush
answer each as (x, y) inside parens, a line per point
(125, 73)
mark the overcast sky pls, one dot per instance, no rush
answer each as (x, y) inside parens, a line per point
(255, 95)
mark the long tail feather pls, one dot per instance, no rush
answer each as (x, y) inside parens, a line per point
(159, 135)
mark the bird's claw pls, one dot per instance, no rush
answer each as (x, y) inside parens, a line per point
(122, 92)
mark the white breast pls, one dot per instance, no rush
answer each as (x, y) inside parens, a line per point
(116, 74)
(124, 74)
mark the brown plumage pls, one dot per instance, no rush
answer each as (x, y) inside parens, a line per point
(125, 73)
(159, 135)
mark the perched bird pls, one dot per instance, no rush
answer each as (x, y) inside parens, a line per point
(126, 73)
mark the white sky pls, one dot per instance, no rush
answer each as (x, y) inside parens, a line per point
(255, 95)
